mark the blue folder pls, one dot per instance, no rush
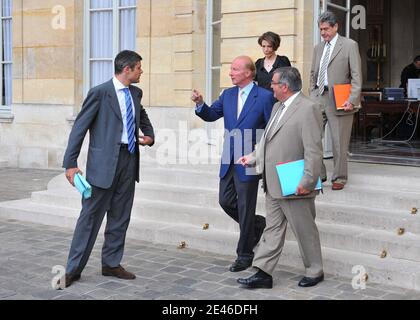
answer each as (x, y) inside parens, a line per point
(290, 174)
(82, 186)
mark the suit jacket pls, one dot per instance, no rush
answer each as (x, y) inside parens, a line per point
(297, 136)
(344, 67)
(240, 133)
(101, 115)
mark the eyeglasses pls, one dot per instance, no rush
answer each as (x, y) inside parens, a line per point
(272, 82)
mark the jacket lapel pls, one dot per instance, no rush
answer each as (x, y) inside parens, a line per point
(249, 104)
(289, 112)
(113, 100)
(337, 49)
(136, 98)
(320, 51)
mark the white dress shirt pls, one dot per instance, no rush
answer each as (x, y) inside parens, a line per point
(119, 89)
(287, 104)
(333, 42)
(243, 95)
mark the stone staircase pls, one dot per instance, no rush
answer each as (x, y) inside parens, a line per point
(4, 163)
(356, 225)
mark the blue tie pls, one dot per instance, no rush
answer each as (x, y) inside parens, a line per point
(130, 122)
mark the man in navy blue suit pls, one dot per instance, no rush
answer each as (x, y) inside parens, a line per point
(246, 109)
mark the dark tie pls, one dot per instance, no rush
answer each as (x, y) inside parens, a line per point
(130, 122)
(275, 120)
(323, 71)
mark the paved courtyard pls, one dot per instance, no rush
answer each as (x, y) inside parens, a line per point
(30, 251)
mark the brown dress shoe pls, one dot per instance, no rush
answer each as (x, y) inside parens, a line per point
(69, 278)
(337, 186)
(118, 272)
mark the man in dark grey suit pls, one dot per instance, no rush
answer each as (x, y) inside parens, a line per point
(113, 114)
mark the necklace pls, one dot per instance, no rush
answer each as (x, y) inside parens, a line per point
(269, 63)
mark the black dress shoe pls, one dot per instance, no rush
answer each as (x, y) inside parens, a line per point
(240, 265)
(310, 282)
(260, 280)
(118, 272)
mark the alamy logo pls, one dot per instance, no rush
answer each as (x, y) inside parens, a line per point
(359, 280)
(359, 20)
(58, 281)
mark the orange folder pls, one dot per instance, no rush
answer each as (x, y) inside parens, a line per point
(341, 95)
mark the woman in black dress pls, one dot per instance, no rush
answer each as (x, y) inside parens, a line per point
(269, 43)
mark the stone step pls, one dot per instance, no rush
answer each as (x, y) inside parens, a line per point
(373, 197)
(390, 271)
(344, 214)
(147, 209)
(372, 218)
(367, 190)
(337, 262)
(364, 197)
(387, 177)
(346, 237)
(370, 241)
(4, 163)
(27, 210)
(181, 176)
(356, 192)
(207, 176)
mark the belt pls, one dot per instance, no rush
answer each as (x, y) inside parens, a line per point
(325, 88)
(124, 146)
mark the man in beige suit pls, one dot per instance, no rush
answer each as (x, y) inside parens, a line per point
(294, 132)
(336, 61)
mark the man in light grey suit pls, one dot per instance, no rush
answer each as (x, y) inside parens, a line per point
(294, 132)
(112, 113)
(336, 61)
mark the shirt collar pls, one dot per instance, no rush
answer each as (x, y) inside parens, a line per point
(117, 84)
(247, 89)
(289, 101)
(334, 40)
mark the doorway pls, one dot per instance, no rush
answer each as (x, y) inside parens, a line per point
(384, 131)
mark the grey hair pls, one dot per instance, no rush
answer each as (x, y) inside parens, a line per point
(328, 17)
(291, 77)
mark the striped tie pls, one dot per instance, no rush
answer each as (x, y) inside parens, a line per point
(275, 121)
(130, 122)
(324, 68)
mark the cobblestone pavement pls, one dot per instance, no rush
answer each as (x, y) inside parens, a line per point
(29, 251)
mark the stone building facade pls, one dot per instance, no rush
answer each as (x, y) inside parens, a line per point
(49, 62)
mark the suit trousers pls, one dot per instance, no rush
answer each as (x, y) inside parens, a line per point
(300, 214)
(239, 200)
(340, 128)
(116, 202)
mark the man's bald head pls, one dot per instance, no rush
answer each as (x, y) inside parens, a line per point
(242, 71)
(248, 64)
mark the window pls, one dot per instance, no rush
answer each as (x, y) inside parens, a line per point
(213, 65)
(6, 54)
(342, 10)
(110, 27)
